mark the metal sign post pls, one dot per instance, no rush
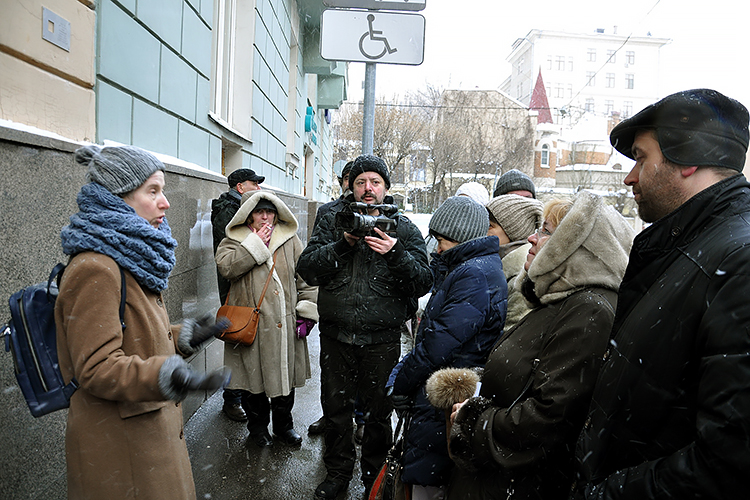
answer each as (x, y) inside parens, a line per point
(368, 113)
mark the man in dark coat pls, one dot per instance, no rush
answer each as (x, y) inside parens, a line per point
(223, 209)
(318, 427)
(368, 287)
(670, 414)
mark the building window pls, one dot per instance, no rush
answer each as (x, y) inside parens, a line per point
(591, 55)
(559, 90)
(545, 155)
(519, 90)
(629, 81)
(232, 77)
(560, 63)
(549, 62)
(610, 80)
(589, 105)
(609, 106)
(630, 57)
(570, 63)
(611, 56)
(590, 79)
(627, 109)
(570, 90)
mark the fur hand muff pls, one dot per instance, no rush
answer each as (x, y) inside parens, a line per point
(449, 386)
(462, 432)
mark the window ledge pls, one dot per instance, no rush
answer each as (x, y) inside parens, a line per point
(223, 124)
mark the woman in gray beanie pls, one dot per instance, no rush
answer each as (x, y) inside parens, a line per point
(124, 435)
(516, 438)
(462, 321)
(512, 219)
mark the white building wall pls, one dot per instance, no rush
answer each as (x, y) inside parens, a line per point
(566, 66)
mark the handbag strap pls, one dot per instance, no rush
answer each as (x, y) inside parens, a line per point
(265, 287)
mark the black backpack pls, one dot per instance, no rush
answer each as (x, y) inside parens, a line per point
(31, 337)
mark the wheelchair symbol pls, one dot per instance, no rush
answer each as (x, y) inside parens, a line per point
(371, 35)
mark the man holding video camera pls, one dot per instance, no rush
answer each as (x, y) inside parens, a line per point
(369, 281)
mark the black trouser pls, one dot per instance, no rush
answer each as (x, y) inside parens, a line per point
(350, 372)
(260, 411)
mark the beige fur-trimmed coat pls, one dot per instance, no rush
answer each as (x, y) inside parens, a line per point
(277, 361)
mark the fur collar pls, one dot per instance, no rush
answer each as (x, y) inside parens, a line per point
(590, 247)
(286, 223)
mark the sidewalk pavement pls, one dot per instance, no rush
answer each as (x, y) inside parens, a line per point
(226, 466)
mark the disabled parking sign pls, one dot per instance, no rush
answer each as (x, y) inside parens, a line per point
(372, 36)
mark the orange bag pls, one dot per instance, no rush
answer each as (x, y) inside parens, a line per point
(244, 319)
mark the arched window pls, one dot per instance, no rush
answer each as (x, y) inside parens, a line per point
(545, 155)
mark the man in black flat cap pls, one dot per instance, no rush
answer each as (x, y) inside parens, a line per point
(670, 414)
(223, 209)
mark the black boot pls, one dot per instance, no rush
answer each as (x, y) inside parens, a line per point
(257, 409)
(281, 414)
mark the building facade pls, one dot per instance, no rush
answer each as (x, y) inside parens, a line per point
(209, 86)
(596, 74)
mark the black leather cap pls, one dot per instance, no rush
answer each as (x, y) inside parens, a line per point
(242, 175)
(699, 127)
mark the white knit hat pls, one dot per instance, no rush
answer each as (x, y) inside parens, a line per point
(475, 191)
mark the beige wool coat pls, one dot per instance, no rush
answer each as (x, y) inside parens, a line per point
(123, 440)
(277, 361)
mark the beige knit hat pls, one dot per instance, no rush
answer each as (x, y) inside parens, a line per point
(517, 215)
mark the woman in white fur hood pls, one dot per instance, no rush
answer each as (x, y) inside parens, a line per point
(516, 438)
(278, 361)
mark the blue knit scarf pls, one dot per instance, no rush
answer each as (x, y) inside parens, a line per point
(109, 226)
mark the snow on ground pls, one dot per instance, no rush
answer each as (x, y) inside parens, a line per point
(421, 220)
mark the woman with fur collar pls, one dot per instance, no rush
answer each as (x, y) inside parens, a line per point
(278, 361)
(515, 440)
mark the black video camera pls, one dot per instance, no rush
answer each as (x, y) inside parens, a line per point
(358, 224)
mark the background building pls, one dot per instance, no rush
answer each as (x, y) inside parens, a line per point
(209, 86)
(595, 74)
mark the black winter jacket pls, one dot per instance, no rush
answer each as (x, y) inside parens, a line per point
(670, 415)
(365, 297)
(223, 209)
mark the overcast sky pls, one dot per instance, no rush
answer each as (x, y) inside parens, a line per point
(467, 41)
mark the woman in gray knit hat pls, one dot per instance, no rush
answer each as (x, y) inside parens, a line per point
(124, 435)
(512, 219)
(462, 321)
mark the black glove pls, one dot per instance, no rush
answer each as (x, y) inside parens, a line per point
(185, 379)
(402, 403)
(204, 328)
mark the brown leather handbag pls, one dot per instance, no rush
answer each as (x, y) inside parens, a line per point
(244, 319)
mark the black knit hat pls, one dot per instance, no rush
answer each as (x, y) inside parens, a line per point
(699, 127)
(460, 219)
(242, 175)
(514, 180)
(369, 163)
(120, 169)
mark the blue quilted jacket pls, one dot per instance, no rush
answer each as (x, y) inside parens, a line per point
(462, 322)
